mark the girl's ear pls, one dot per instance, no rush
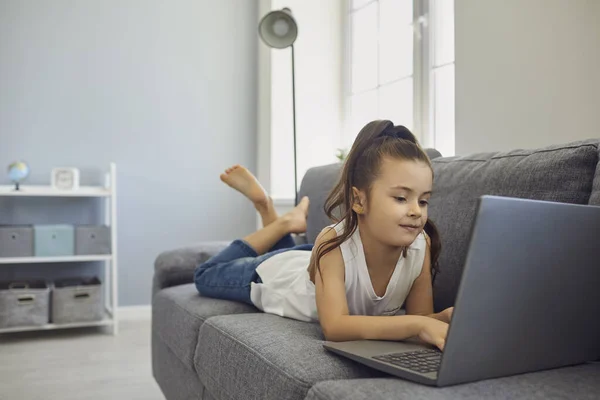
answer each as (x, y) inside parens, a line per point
(358, 201)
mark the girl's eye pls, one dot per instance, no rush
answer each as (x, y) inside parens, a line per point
(424, 202)
(400, 199)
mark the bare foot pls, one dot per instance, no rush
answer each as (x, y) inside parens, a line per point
(296, 218)
(242, 180)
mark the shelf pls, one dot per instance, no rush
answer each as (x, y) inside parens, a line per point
(63, 259)
(104, 322)
(105, 191)
(49, 191)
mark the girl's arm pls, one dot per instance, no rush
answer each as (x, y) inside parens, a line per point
(338, 325)
(420, 298)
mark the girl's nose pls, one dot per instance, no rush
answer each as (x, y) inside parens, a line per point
(415, 211)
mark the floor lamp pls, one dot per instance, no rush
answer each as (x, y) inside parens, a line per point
(278, 29)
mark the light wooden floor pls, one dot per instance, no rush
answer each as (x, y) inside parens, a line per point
(82, 364)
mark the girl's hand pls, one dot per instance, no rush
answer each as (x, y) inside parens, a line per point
(434, 332)
(446, 315)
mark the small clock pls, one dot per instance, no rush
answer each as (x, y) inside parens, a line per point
(65, 178)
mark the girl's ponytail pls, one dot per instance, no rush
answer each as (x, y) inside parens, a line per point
(399, 132)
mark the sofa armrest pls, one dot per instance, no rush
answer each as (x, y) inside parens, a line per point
(176, 267)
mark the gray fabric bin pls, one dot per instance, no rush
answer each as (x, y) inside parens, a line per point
(92, 240)
(24, 303)
(16, 241)
(77, 300)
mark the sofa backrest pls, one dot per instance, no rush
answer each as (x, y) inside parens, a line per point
(561, 173)
(317, 183)
(595, 197)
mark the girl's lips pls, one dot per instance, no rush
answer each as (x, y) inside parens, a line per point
(410, 228)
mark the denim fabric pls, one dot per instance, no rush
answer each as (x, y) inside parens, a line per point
(229, 274)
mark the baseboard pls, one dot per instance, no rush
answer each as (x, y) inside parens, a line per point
(134, 313)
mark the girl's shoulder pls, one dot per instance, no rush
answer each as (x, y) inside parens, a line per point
(327, 233)
(331, 231)
(334, 230)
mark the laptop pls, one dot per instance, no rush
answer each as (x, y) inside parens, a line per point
(528, 300)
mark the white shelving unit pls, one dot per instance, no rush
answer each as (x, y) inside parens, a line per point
(109, 193)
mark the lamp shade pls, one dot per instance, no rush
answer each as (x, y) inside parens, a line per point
(278, 28)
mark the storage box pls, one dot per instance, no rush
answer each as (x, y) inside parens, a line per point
(16, 241)
(24, 303)
(77, 300)
(54, 240)
(92, 240)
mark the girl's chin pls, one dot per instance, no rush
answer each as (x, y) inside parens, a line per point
(401, 242)
(407, 239)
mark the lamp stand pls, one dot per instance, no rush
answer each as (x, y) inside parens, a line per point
(294, 119)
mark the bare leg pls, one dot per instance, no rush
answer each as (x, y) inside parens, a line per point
(242, 180)
(292, 222)
(267, 211)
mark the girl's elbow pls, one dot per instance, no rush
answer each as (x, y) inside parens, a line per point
(331, 331)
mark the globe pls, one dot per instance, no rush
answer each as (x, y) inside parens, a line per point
(17, 172)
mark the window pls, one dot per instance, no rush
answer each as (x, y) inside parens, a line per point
(401, 68)
(319, 96)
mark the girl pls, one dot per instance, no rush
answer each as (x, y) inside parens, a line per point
(376, 257)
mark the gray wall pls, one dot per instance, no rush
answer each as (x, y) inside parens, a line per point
(166, 89)
(526, 73)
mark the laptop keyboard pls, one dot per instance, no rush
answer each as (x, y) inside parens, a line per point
(423, 361)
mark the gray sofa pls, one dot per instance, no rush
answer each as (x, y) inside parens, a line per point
(204, 348)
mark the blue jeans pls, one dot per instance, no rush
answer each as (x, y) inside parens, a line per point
(229, 274)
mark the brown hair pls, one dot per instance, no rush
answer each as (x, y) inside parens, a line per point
(378, 139)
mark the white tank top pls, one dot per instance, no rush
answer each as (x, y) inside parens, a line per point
(360, 294)
(287, 290)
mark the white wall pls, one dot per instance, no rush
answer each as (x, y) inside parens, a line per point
(318, 53)
(263, 120)
(527, 73)
(166, 89)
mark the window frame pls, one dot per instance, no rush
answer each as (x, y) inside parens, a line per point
(423, 69)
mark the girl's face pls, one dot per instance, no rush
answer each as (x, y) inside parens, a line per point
(395, 212)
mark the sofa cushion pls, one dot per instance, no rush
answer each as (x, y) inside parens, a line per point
(581, 382)
(558, 173)
(179, 311)
(177, 382)
(263, 356)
